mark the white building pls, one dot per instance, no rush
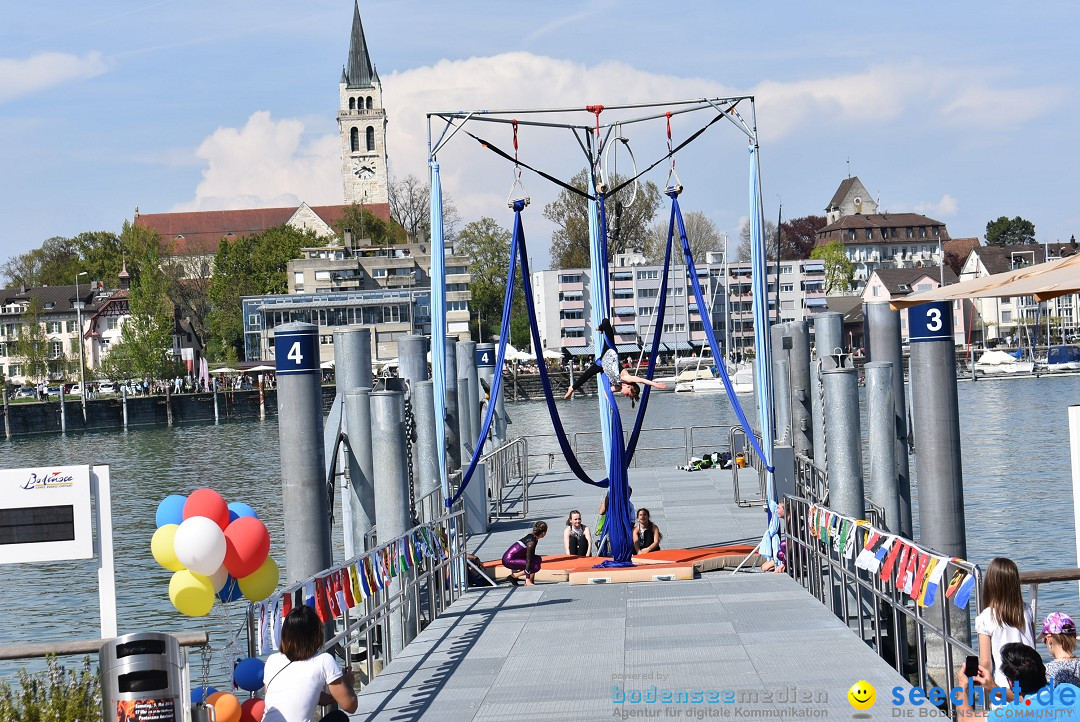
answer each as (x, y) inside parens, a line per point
(886, 284)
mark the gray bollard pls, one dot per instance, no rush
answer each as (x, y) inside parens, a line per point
(453, 437)
(217, 417)
(413, 368)
(7, 414)
(392, 499)
(358, 498)
(828, 338)
(937, 429)
(883, 343)
(801, 389)
(817, 415)
(63, 411)
(475, 495)
(427, 471)
(352, 359)
(843, 435)
(303, 469)
(881, 416)
(485, 370)
(123, 406)
(781, 388)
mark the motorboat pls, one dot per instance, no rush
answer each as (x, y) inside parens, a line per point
(1000, 363)
(1063, 358)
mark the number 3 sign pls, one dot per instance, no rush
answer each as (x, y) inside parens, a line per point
(930, 322)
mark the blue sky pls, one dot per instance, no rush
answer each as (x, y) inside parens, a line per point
(964, 111)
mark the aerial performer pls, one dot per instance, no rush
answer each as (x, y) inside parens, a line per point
(621, 380)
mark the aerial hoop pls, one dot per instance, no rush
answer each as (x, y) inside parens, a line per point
(620, 138)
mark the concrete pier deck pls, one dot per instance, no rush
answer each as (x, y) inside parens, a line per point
(749, 645)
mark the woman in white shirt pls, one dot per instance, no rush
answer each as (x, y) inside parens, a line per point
(297, 678)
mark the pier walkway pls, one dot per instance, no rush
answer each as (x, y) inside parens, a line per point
(750, 645)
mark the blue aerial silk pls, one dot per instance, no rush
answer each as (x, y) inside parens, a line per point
(438, 323)
(599, 296)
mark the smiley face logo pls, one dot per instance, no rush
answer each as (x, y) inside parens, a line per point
(862, 695)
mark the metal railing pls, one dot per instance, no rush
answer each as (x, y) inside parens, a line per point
(926, 644)
(740, 445)
(811, 481)
(507, 468)
(1033, 578)
(419, 595)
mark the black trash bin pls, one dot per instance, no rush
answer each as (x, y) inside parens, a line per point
(142, 678)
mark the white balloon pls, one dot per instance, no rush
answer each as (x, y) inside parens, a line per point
(219, 578)
(200, 545)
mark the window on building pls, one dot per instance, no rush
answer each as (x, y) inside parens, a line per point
(869, 234)
(367, 102)
(111, 323)
(669, 328)
(919, 288)
(54, 327)
(875, 291)
(570, 278)
(851, 234)
(352, 103)
(787, 305)
(14, 370)
(354, 140)
(787, 287)
(370, 138)
(572, 333)
(645, 310)
(785, 269)
(1006, 316)
(56, 349)
(571, 314)
(253, 320)
(922, 231)
(910, 231)
(378, 273)
(456, 270)
(648, 292)
(298, 278)
(322, 275)
(678, 290)
(937, 231)
(648, 275)
(457, 305)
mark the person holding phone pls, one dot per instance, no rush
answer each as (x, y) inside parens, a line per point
(1023, 667)
(299, 678)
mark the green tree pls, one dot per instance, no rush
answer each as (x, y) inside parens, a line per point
(701, 233)
(148, 330)
(628, 223)
(367, 228)
(839, 271)
(102, 254)
(1009, 232)
(249, 266)
(55, 263)
(33, 347)
(487, 246)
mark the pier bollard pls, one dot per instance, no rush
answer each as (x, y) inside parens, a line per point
(817, 415)
(303, 467)
(844, 439)
(485, 370)
(781, 388)
(7, 415)
(358, 497)
(427, 471)
(881, 415)
(453, 438)
(352, 372)
(883, 343)
(828, 338)
(800, 391)
(217, 414)
(476, 507)
(413, 368)
(123, 405)
(63, 411)
(168, 405)
(392, 500)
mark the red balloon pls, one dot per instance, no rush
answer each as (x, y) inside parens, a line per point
(208, 503)
(252, 710)
(247, 544)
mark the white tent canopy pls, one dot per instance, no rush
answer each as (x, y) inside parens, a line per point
(1043, 281)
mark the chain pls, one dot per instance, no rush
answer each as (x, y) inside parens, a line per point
(823, 464)
(410, 439)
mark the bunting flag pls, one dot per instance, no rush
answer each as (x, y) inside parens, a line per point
(331, 587)
(845, 531)
(404, 563)
(812, 521)
(414, 548)
(903, 578)
(278, 605)
(901, 566)
(309, 595)
(873, 543)
(422, 536)
(345, 583)
(954, 583)
(933, 581)
(441, 541)
(916, 572)
(339, 592)
(849, 546)
(262, 641)
(286, 604)
(890, 561)
(390, 560)
(963, 594)
(322, 608)
(375, 579)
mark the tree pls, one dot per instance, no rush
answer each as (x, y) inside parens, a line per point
(799, 236)
(252, 265)
(148, 331)
(102, 254)
(32, 346)
(189, 288)
(410, 205)
(839, 271)
(54, 264)
(628, 223)
(701, 233)
(487, 246)
(770, 241)
(369, 227)
(1006, 232)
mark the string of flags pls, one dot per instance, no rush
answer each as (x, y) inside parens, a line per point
(895, 560)
(336, 590)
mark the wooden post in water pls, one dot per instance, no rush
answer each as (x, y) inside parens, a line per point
(168, 404)
(63, 409)
(123, 402)
(7, 415)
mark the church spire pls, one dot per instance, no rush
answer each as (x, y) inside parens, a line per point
(359, 73)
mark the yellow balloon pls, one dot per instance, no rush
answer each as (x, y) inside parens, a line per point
(161, 546)
(262, 583)
(191, 593)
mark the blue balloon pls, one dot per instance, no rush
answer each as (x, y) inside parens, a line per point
(231, 591)
(170, 510)
(199, 694)
(248, 674)
(239, 509)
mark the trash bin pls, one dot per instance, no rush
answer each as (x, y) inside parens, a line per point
(141, 678)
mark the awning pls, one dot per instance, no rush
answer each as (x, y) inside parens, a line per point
(624, 311)
(626, 329)
(813, 267)
(1043, 281)
(628, 348)
(681, 346)
(691, 307)
(816, 302)
(581, 350)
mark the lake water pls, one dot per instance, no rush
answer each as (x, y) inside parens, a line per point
(1016, 480)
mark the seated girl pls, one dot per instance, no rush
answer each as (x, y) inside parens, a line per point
(577, 539)
(647, 535)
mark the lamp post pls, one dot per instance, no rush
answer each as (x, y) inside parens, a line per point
(82, 365)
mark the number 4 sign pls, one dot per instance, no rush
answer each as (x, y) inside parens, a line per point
(297, 352)
(930, 322)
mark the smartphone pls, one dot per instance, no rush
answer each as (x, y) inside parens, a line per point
(971, 667)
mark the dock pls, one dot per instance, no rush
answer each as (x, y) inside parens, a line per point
(747, 645)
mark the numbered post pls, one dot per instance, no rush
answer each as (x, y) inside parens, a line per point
(936, 427)
(300, 430)
(486, 355)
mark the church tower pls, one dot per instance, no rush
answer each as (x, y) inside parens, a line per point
(362, 122)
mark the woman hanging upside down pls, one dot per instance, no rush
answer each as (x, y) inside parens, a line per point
(621, 380)
(522, 556)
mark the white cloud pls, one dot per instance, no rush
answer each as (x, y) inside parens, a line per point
(944, 208)
(24, 76)
(267, 163)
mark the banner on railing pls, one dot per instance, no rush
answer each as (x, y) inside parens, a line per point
(334, 591)
(910, 568)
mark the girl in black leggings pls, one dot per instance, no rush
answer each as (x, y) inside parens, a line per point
(621, 380)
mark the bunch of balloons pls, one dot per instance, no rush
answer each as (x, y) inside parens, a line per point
(213, 549)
